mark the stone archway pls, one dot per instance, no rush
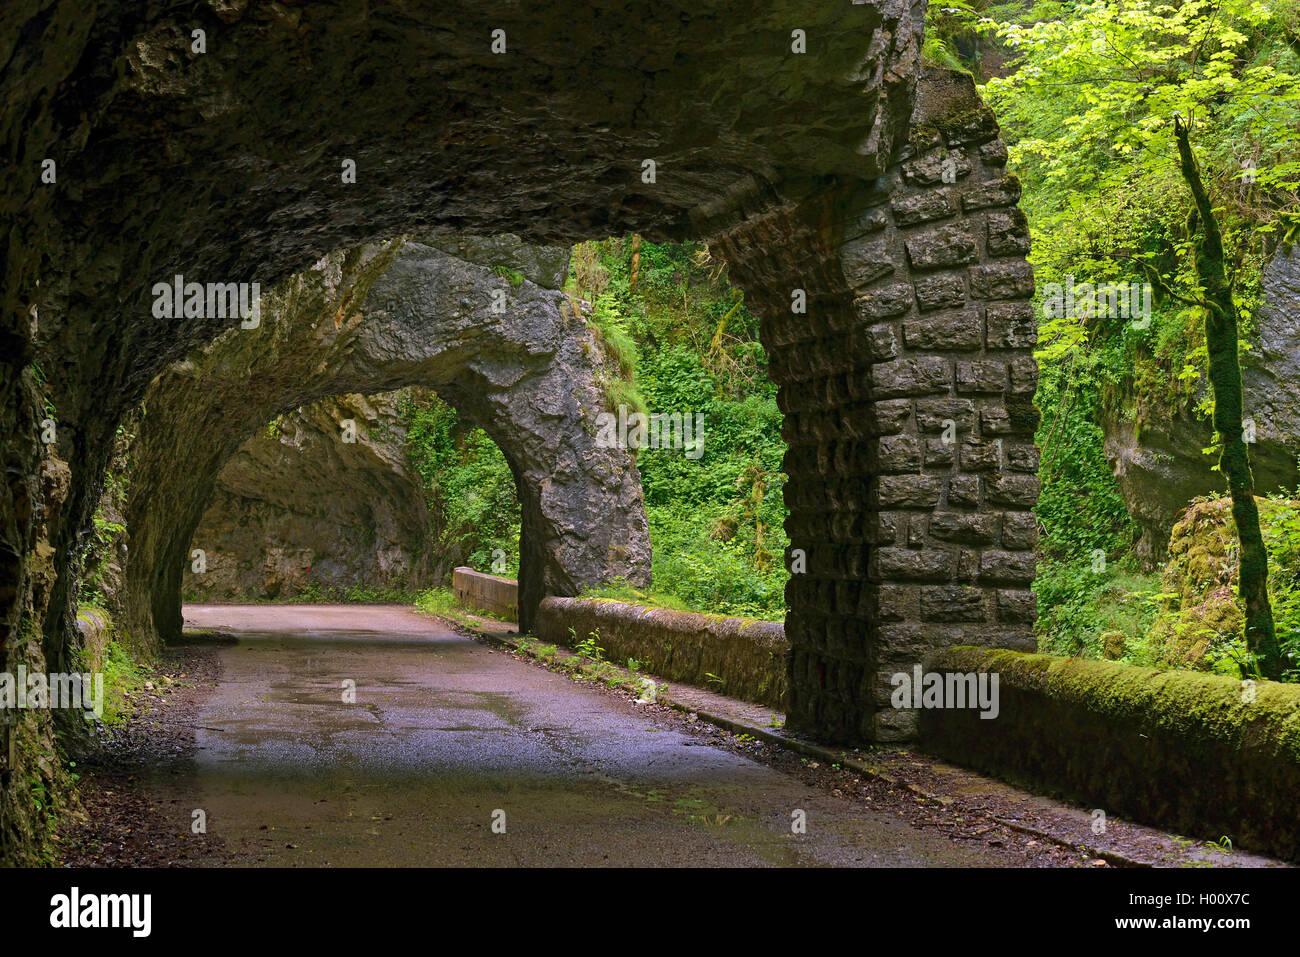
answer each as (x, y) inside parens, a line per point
(373, 320)
(299, 510)
(671, 119)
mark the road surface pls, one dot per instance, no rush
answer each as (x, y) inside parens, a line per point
(447, 738)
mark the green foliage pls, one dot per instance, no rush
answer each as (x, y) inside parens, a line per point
(1280, 519)
(612, 325)
(1088, 107)
(436, 601)
(1080, 506)
(512, 276)
(951, 40)
(1097, 84)
(123, 677)
(716, 521)
(315, 592)
(108, 529)
(106, 534)
(588, 647)
(1083, 606)
(467, 481)
(441, 601)
(1086, 100)
(709, 574)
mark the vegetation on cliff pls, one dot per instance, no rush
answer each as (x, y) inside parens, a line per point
(1086, 94)
(467, 483)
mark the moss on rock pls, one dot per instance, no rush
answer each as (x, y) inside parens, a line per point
(1200, 624)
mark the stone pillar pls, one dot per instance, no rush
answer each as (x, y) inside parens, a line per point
(908, 389)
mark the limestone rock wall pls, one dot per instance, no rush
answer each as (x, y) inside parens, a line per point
(297, 505)
(1155, 452)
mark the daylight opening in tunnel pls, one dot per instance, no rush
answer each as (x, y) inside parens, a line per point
(355, 498)
(689, 393)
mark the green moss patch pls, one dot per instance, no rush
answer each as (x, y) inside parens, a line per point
(1198, 754)
(1200, 622)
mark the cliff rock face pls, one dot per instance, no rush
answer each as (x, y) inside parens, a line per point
(1271, 375)
(1156, 452)
(298, 506)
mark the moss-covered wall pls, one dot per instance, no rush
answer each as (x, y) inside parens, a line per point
(1198, 754)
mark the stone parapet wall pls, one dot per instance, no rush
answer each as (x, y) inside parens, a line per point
(1202, 755)
(491, 593)
(740, 657)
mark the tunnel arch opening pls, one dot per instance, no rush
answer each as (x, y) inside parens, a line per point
(321, 504)
(358, 499)
(397, 315)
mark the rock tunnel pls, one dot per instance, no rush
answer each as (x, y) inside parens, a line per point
(860, 201)
(373, 320)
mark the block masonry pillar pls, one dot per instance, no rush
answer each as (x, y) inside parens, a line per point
(907, 386)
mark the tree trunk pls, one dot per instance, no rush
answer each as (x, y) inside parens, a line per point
(1234, 460)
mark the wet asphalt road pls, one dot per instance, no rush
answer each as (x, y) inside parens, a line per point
(444, 732)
